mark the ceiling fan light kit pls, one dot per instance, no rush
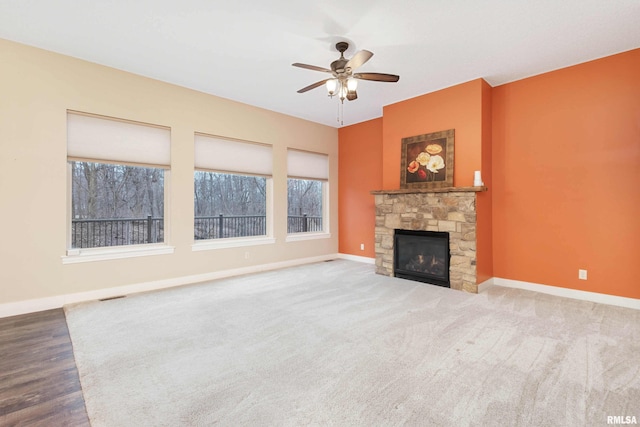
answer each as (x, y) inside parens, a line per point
(332, 85)
(344, 82)
(344, 88)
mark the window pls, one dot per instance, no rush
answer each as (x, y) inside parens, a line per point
(228, 205)
(115, 205)
(231, 188)
(304, 198)
(306, 191)
(117, 171)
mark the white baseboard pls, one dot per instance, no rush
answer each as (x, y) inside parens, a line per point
(569, 293)
(48, 303)
(357, 258)
(485, 285)
(31, 306)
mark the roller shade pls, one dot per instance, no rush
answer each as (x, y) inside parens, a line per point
(98, 138)
(227, 155)
(303, 164)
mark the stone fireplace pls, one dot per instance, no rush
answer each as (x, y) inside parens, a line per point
(450, 210)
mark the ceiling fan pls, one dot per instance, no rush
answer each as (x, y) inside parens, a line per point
(344, 81)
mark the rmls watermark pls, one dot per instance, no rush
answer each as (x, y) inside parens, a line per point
(622, 419)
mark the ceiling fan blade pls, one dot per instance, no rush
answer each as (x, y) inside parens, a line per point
(312, 67)
(359, 59)
(313, 86)
(352, 95)
(377, 77)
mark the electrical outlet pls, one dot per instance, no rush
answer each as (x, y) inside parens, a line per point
(582, 274)
(247, 255)
(362, 246)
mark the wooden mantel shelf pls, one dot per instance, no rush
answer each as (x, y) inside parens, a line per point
(430, 190)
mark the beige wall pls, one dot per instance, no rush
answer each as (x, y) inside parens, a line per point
(36, 90)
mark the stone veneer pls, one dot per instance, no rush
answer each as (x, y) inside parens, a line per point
(453, 212)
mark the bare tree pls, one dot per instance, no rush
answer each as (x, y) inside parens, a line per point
(229, 194)
(304, 197)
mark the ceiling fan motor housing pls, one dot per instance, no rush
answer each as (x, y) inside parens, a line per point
(338, 66)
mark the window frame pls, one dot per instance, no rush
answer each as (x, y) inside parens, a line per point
(78, 255)
(312, 235)
(317, 169)
(234, 242)
(163, 156)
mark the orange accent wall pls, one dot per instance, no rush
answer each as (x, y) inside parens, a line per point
(465, 108)
(566, 177)
(359, 172)
(560, 154)
(484, 205)
(458, 107)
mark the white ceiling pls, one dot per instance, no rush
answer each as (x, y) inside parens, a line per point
(243, 49)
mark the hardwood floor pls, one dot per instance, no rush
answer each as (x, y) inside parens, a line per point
(39, 384)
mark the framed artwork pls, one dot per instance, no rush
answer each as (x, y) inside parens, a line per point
(427, 160)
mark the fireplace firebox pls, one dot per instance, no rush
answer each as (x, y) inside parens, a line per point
(422, 256)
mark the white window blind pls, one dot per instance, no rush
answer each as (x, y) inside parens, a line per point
(98, 138)
(304, 164)
(225, 155)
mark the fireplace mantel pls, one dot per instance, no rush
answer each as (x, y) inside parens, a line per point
(430, 190)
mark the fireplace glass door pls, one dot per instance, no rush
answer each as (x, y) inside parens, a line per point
(423, 256)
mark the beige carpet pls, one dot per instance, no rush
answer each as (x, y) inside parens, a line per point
(334, 344)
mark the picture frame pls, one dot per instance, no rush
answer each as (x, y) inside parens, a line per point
(427, 160)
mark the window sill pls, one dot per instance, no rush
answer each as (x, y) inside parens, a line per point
(307, 236)
(231, 242)
(102, 254)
